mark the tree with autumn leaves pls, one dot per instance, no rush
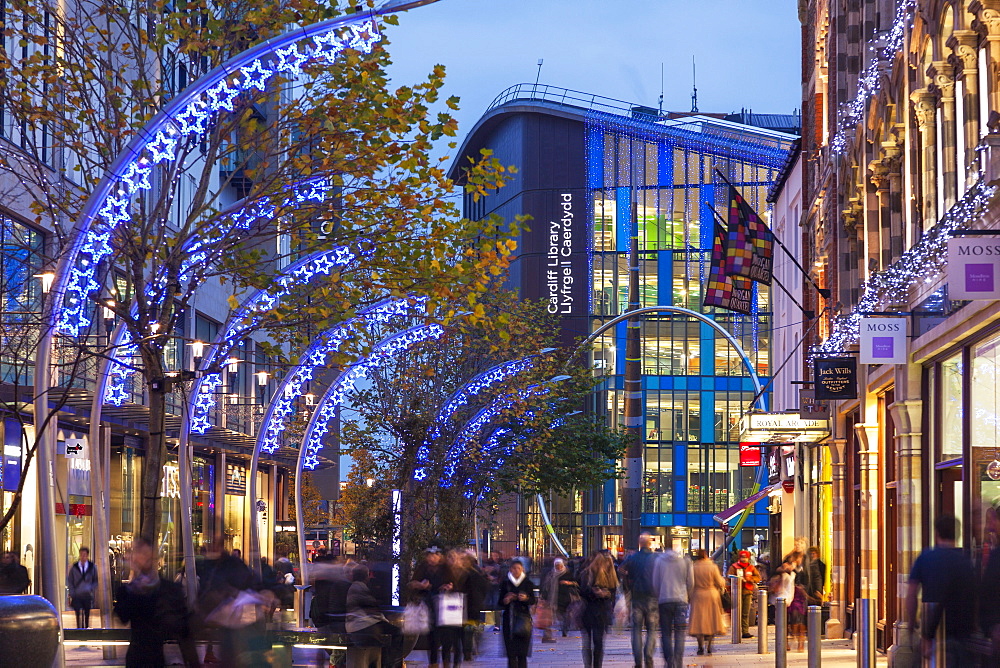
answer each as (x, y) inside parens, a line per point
(539, 442)
(81, 79)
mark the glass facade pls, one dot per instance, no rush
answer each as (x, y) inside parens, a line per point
(664, 180)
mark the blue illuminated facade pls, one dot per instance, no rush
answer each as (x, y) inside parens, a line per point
(588, 168)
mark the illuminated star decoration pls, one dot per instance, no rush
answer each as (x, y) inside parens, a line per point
(249, 314)
(475, 425)
(333, 398)
(159, 142)
(269, 436)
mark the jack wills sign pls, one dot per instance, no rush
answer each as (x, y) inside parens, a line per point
(835, 378)
(974, 267)
(883, 340)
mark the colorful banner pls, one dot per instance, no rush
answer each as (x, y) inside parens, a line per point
(974, 267)
(749, 243)
(835, 378)
(734, 293)
(883, 340)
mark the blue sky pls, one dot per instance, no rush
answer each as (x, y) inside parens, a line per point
(747, 51)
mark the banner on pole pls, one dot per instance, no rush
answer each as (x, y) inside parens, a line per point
(835, 378)
(883, 340)
(749, 242)
(974, 267)
(734, 293)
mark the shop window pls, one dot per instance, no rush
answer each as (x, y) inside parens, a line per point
(949, 444)
(985, 437)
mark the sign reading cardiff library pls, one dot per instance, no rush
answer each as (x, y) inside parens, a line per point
(974, 267)
(835, 378)
(883, 340)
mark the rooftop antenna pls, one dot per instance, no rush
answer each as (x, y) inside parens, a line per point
(694, 86)
(661, 90)
(539, 73)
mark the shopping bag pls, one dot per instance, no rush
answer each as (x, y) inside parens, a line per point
(451, 609)
(416, 619)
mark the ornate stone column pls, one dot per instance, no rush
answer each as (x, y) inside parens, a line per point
(878, 226)
(838, 560)
(964, 45)
(907, 415)
(893, 232)
(944, 85)
(987, 14)
(868, 452)
(925, 108)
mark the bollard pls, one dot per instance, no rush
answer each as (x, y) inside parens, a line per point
(761, 621)
(736, 613)
(865, 644)
(780, 632)
(814, 624)
(300, 604)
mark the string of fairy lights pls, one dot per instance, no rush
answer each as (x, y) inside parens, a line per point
(870, 78)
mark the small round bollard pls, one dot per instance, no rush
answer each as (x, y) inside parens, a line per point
(29, 630)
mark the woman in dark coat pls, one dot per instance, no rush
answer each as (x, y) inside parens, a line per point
(598, 584)
(516, 598)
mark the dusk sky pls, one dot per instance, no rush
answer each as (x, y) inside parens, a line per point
(613, 49)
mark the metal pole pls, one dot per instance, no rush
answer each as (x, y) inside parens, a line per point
(632, 492)
(761, 621)
(814, 622)
(735, 614)
(780, 632)
(866, 634)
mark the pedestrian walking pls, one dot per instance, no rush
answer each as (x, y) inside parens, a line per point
(81, 581)
(637, 580)
(598, 584)
(13, 576)
(815, 578)
(561, 591)
(790, 584)
(516, 598)
(749, 577)
(944, 575)
(155, 609)
(706, 602)
(673, 578)
(431, 578)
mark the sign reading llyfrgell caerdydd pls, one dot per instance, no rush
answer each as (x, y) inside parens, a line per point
(974, 267)
(883, 340)
(559, 267)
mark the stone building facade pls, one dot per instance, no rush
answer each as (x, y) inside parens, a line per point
(900, 149)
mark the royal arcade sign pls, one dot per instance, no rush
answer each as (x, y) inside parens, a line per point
(782, 428)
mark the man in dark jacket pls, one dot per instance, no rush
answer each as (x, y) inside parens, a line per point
(944, 576)
(637, 579)
(82, 582)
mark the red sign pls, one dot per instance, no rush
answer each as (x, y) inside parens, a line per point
(788, 486)
(749, 454)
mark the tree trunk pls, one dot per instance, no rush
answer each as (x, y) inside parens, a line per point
(156, 448)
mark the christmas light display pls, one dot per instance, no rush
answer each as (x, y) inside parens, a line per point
(248, 316)
(282, 406)
(474, 387)
(474, 426)
(924, 262)
(870, 79)
(334, 396)
(185, 119)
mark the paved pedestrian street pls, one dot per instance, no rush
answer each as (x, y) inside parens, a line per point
(564, 652)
